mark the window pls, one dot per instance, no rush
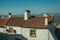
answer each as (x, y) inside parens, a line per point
(10, 30)
(32, 33)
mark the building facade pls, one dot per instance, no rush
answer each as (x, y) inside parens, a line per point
(31, 27)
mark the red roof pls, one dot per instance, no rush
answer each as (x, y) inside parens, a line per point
(3, 21)
(37, 21)
(15, 21)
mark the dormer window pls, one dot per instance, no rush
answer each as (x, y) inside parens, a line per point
(32, 33)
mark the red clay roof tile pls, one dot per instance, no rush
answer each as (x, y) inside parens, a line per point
(3, 21)
(37, 21)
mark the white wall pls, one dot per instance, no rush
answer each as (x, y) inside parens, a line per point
(41, 34)
(3, 30)
(18, 29)
(25, 32)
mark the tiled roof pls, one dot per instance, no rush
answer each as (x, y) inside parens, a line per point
(15, 21)
(37, 21)
(3, 21)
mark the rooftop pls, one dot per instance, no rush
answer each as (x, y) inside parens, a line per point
(3, 21)
(33, 21)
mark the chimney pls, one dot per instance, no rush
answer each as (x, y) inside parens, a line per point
(9, 15)
(46, 18)
(2, 16)
(26, 14)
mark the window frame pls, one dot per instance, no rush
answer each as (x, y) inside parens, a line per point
(32, 31)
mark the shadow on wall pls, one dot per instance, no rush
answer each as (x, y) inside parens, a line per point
(11, 37)
(57, 33)
(2, 36)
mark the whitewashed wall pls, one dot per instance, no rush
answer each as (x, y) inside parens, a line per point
(3, 30)
(25, 32)
(41, 34)
(18, 29)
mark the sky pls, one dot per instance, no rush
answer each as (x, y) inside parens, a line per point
(18, 7)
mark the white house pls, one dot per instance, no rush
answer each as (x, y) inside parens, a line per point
(32, 27)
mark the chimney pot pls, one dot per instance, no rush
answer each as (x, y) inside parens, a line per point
(10, 14)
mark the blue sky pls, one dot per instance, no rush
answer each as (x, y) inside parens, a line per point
(17, 7)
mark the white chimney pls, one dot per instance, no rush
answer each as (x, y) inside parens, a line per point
(2, 16)
(46, 18)
(9, 15)
(26, 15)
